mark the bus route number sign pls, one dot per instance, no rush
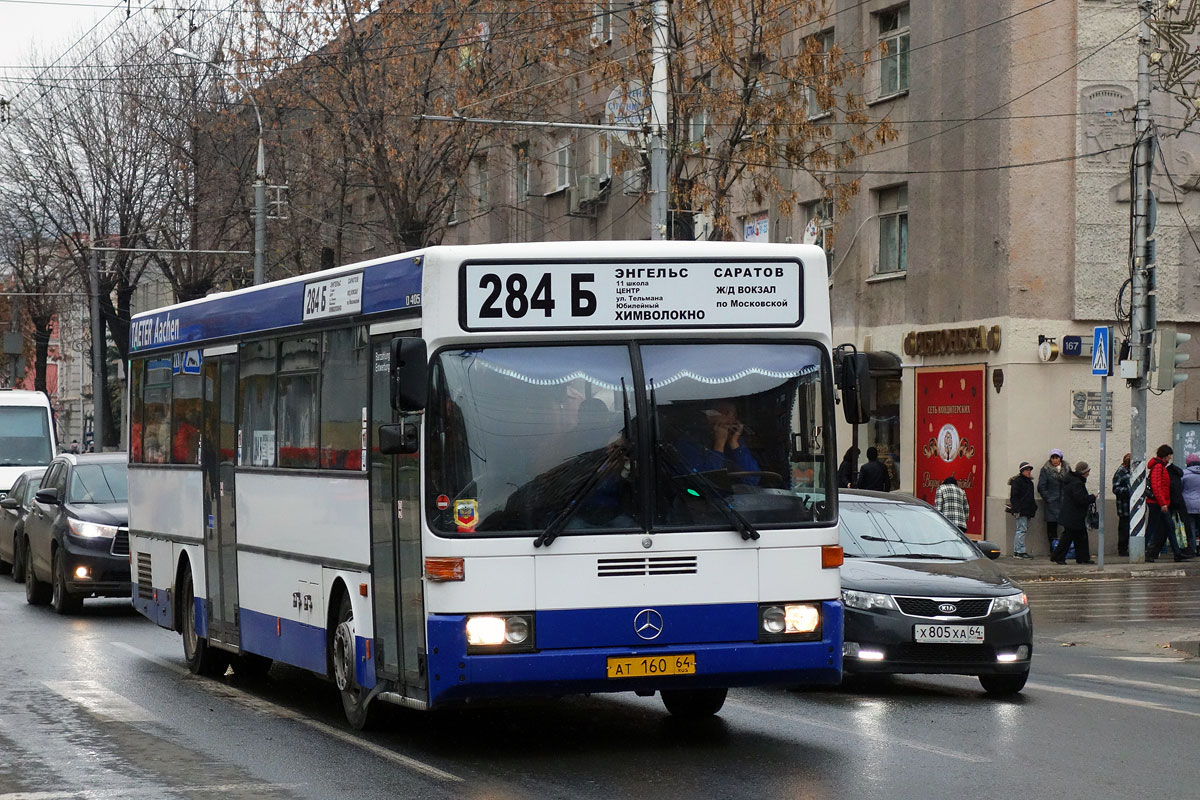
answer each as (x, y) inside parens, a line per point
(623, 295)
(333, 297)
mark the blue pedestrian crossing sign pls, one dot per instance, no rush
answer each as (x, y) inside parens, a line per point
(1102, 351)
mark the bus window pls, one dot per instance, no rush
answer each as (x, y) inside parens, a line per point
(344, 360)
(185, 418)
(256, 438)
(137, 383)
(156, 415)
(297, 399)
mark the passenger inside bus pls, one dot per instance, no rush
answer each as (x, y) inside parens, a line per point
(716, 443)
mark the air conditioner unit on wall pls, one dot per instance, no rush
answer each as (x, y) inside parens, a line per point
(632, 181)
(583, 196)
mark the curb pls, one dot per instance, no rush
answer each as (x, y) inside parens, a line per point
(1100, 575)
(1189, 647)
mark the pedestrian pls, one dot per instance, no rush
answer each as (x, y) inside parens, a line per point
(848, 469)
(1191, 496)
(74, 445)
(1073, 516)
(1120, 487)
(874, 475)
(1050, 486)
(951, 502)
(1023, 505)
(1160, 524)
(1181, 524)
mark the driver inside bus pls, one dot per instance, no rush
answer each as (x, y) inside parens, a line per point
(718, 444)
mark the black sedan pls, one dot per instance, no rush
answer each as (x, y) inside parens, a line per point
(77, 532)
(920, 597)
(13, 508)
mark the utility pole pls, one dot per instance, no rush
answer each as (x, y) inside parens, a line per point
(97, 343)
(1142, 318)
(658, 119)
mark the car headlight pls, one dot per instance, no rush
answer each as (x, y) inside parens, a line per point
(1010, 604)
(867, 601)
(91, 530)
(491, 633)
(789, 621)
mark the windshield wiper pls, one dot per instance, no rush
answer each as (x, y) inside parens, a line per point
(574, 502)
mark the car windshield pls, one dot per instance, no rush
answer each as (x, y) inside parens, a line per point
(98, 483)
(24, 436)
(517, 435)
(900, 530)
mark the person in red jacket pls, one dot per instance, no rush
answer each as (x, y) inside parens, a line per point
(1160, 523)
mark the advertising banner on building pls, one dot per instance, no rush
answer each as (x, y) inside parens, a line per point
(950, 426)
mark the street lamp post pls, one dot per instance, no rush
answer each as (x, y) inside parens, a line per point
(260, 172)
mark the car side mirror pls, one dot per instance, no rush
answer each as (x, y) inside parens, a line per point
(47, 496)
(10, 503)
(409, 373)
(401, 438)
(988, 549)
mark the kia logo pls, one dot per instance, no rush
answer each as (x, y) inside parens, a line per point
(947, 608)
(648, 624)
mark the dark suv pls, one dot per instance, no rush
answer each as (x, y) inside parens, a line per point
(77, 532)
(14, 507)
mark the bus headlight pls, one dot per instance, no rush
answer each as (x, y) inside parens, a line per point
(492, 633)
(788, 622)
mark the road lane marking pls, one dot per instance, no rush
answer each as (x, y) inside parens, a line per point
(974, 759)
(101, 701)
(1152, 659)
(282, 712)
(152, 792)
(1151, 685)
(1126, 701)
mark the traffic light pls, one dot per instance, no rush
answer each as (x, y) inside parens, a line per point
(1169, 357)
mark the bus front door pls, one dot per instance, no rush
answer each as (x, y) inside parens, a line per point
(395, 547)
(219, 456)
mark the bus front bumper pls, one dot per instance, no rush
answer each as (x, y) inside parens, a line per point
(455, 675)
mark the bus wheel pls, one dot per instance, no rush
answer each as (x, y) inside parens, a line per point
(18, 561)
(62, 601)
(36, 592)
(693, 703)
(355, 700)
(201, 659)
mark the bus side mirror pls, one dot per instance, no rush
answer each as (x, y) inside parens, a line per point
(409, 371)
(854, 378)
(401, 438)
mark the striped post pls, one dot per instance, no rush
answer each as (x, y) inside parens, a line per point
(1137, 509)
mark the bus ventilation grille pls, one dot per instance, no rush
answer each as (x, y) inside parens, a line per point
(646, 565)
(145, 580)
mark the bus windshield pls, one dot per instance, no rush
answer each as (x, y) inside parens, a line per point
(24, 436)
(517, 435)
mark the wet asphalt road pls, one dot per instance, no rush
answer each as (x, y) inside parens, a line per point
(101, 706)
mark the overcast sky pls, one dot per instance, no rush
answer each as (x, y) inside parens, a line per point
(50, 25)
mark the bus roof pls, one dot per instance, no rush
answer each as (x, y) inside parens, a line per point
(389, 285)
(23, 397)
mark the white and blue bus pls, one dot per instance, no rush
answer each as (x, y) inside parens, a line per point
(498, 471)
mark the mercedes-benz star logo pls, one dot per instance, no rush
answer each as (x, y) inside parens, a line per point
(947, 608)
(648, 624)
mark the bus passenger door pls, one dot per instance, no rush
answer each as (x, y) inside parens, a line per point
(395, 546)
(218, 456)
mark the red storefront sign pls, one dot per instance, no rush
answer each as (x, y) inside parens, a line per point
(950, 425)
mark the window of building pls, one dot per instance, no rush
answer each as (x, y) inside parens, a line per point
(344, 359)
(482, 200)
(601, 22)
(562, 163)
(698, 129)
(893, 229)
(818, 227)
(602, 156)
(156, 420)
(521, 176)
(455, 215)
(821, 43)
(186, 407)
(296, 400)
(256, 387)
(893, 66)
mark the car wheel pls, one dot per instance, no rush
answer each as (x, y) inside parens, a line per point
(1004, 684)
(693, 703)
(18, 572)
(37, 593)
(356, 700)
(61, 600)
(5, 566)
(201, 659)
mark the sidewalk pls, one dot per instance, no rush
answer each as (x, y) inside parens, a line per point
(1040, 568)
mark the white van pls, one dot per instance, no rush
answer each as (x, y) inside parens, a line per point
(26, 434)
